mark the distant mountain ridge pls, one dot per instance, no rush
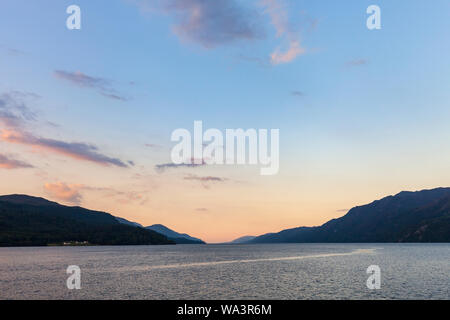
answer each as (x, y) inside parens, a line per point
(421, 216)
(129, 223)
(33, 221)
(28, 200)
(179, 238)
(243, 239)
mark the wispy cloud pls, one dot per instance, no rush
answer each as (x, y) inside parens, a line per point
(12, 51)
(153, 146)
(74, 193)
(14, 114)
(7, 162)
(294, 49)
(126, 197)
(357, 63)
(82, 80)
(297, 93)
(64, 192)
(101, 85)
(205, 178)
(76, 150)
(278, 13)
(209, 23)
(162, 167)
(13, 109)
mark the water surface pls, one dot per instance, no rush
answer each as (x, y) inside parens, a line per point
(272, 271)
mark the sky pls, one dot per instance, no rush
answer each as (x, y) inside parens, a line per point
(86, 115)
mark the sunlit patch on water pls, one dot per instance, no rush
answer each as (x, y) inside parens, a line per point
(214, 263)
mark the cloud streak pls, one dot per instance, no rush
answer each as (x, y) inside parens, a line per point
(357, 63)
(101, 85)
(162, 167)
(13, 110)
(74, 193)
(297, 93)
(76, 150)
(153, 146)
(12, 51)
(204, 179)
(7, 162)
(14, 114)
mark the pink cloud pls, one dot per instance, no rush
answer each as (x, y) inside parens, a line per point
(76, 150)
(294, 50)
(279, 19)
(6, 162)
(64, 192)
(14, 115)
(74, 193)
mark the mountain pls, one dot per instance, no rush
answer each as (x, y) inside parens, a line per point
(422, 216)
(179, 238)
(32, 221)
(27, 200)
(243, 239)
(128, 223)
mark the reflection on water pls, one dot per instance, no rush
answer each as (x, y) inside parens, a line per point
(277, 271)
